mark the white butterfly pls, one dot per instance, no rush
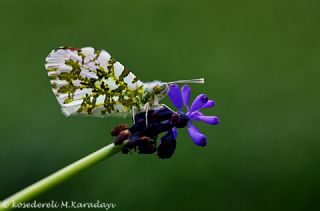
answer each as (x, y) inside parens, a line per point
(89, 81)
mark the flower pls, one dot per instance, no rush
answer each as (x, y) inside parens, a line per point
(142, 138)
(180, 98)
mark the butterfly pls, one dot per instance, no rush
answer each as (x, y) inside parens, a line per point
(91, 82)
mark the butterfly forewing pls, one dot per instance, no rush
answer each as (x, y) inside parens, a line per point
(90, 81)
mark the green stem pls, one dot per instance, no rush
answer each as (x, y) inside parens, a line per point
(59, 176)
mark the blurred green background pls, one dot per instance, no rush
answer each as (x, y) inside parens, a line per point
(261, 63)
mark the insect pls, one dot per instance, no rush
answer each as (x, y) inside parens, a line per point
(91, 82)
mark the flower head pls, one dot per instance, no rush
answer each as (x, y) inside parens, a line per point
(142, 137)
(182, 97)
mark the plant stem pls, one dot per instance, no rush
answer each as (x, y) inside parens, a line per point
(59, 176)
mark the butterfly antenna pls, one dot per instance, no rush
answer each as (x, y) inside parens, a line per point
(191, 81)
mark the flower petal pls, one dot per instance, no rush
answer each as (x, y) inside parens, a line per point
(175, 133)
(212, 120)
(209, 104)
(200, 101)
(191, 114)
(175, 96)
(167, 146)
(185, 91)
(198, 138)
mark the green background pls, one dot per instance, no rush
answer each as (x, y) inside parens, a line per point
(261, 63)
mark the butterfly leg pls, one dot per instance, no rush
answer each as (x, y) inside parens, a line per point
(146, 109)
(164, 105)
(133, 114)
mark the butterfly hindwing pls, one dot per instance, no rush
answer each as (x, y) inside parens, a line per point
(90, 81)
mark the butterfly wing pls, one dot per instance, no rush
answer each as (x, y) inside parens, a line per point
(89, 81)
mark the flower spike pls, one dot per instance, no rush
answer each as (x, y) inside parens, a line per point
(143, 138)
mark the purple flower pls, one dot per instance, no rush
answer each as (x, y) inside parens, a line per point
(180, 98)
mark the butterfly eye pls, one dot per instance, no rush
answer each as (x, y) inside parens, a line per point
(157, 89)
(160, 89)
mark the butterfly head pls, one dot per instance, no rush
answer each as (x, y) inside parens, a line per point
(156, 90)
